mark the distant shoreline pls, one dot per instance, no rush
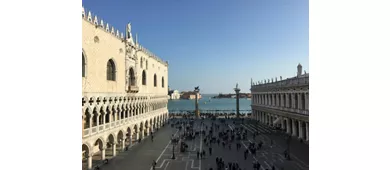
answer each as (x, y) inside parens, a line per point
(230, 95)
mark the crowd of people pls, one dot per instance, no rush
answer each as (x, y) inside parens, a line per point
(219, 133)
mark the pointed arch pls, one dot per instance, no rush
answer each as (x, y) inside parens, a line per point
(162, 82)
(111, 70)
(155, 80)
(83, 65)
(132, 77)
(143, 77)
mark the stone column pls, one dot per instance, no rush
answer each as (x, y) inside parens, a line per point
(90, 124)
(288, 126)
(283, 124)
(264, 99)
(293, 100)
(299, 101)
(104, 120)
(288, 100)
(274, 97)
(307, 131)
(294, 128)
(114, 149)
(300, 129)
(123, 144)
(103, 151)
(237, 90)
(307, 101)
(147, 131)
(90, 161)
(260, 99)
(136, 136)
(141, 134)
(131, 140)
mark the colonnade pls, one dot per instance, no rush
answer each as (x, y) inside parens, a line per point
(296, 100)
(122, 138)
(292, 126)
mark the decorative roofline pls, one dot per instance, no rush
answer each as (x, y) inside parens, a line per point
(145, 50)
(297, 80)
(99, 23)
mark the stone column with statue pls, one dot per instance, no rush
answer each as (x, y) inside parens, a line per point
(237, 90)
(197, 114)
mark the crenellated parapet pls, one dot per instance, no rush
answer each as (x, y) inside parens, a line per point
(146, 51)
(99, 23)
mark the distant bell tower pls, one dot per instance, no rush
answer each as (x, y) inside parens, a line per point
(299, 67)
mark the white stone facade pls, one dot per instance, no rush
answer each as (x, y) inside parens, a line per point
(283, 103)
(175, 95)
(124, 89)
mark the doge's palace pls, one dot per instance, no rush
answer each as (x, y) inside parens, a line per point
(283, 103)
(124, 89)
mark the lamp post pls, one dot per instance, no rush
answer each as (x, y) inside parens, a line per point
(237, 90)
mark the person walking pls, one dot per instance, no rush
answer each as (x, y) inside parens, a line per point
(154, 164)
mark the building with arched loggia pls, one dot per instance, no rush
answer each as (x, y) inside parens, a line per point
(283, 103)
(124, 90)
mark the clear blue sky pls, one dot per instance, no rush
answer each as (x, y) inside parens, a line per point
(216, 43)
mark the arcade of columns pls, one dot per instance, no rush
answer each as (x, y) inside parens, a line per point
(111, 122)
(291, 108)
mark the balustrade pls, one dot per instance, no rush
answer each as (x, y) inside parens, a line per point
(117, 123)
(86, 132)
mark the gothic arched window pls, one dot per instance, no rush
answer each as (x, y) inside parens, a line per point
(83, 67)
(143, 77)
(111, 70)
(155, 80)
(132, 77)
(162, 82)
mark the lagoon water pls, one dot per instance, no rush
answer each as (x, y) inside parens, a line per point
(208, 103)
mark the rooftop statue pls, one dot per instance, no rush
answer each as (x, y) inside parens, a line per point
(129, 36)
(236, 85)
